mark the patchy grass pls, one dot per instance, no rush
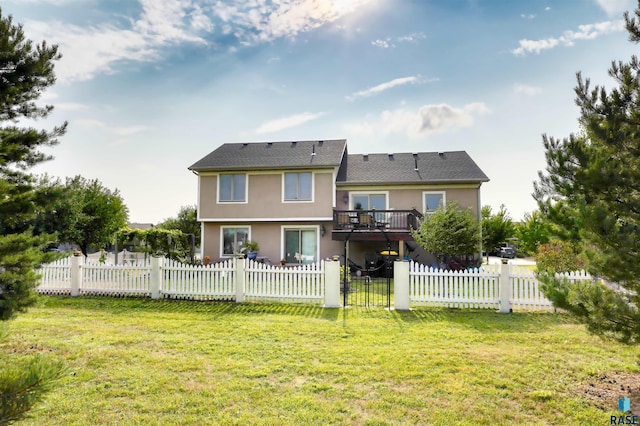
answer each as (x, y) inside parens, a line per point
(138, 361)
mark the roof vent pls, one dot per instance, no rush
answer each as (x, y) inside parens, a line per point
(390, 157)
(415, 162)
(320, 143)
(269, 144)
(293, 144)
(365, 157)
(313, 150)
(244, 145)
(441, 154)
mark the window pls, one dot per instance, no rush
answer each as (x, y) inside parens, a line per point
(433, 200)
(370, 201)
(300, 245)
(232, 240)
(232, 188)
(298, 186)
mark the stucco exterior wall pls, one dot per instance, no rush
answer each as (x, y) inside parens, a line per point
(269, 236)
(265, 198)
(406, 198)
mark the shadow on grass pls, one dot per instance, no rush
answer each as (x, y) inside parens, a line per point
(127, 305)
(487, 321)
(484, 321)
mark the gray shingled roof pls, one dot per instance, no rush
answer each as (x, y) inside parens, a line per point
(433, 167)
(273, 155)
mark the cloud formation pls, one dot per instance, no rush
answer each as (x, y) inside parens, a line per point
(568, 38)
(428, 119)
(616, 7)
(287, 122)
(414, 79)
(100, 48)
(390, 42)
(526, 89)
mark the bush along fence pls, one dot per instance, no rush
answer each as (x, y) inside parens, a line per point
(501, 287)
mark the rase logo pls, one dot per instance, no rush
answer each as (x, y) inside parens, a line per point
(624, 404)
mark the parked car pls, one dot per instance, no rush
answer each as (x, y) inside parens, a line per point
(507, 252)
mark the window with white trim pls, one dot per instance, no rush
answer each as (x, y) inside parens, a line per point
(432, 201)
(370, 201)
(232, 188)
(298, 186)
(300, 245)
(232, 239)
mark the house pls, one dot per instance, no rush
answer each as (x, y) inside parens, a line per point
(308, 200)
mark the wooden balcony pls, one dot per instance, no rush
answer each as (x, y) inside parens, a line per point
(374, 225)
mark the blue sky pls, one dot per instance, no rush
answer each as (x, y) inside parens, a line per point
(151, 86)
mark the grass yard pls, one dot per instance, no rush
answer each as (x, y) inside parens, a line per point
(138, 361)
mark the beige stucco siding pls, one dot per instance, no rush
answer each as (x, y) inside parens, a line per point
(405, 198)
(269, 236)
(265, 199)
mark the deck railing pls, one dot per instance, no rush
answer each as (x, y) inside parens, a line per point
(392, 220)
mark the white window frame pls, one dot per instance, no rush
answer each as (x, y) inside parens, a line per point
(385, 193)
(246, 190)
(313, 187)
(222, 228)
(299, 228)
(424, 200)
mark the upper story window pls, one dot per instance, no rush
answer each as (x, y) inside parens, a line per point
(298, 186)
(370, 201)
(232, 188)
(433, 200)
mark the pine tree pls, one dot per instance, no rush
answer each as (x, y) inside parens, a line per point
(591, 193)
(25, 71)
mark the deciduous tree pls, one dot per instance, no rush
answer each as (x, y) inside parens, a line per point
(89, 214)
(496, 228)
(186, 221)
(449, 232)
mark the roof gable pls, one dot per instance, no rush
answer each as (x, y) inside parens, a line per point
(273, 155)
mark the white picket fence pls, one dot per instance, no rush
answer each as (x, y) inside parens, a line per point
(56, 277)
(181, 281)
(117, 280)
(199, 282)
(503, 287)
(481, 287)
(477, 288)
(304, 283)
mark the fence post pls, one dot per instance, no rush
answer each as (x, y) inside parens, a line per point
(239, 275)
(156, 277)
(76, 274)
(401, 295)
(505, 289)
(332, 284)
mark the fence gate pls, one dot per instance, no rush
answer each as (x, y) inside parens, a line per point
(368, 287)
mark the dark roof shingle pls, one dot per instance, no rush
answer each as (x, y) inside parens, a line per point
(273, 155)
(432, 167)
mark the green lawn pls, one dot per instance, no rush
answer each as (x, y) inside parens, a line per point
(138, 361)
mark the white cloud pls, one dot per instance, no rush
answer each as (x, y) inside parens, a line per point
(526, 89)
(69, 106)
(585, 32)
(384, 44)
(389, 42)
(428, 119)
(388, 85)
(616, 7)
(527, 15)
(287, 122)
(100, 48)
(128, 131)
